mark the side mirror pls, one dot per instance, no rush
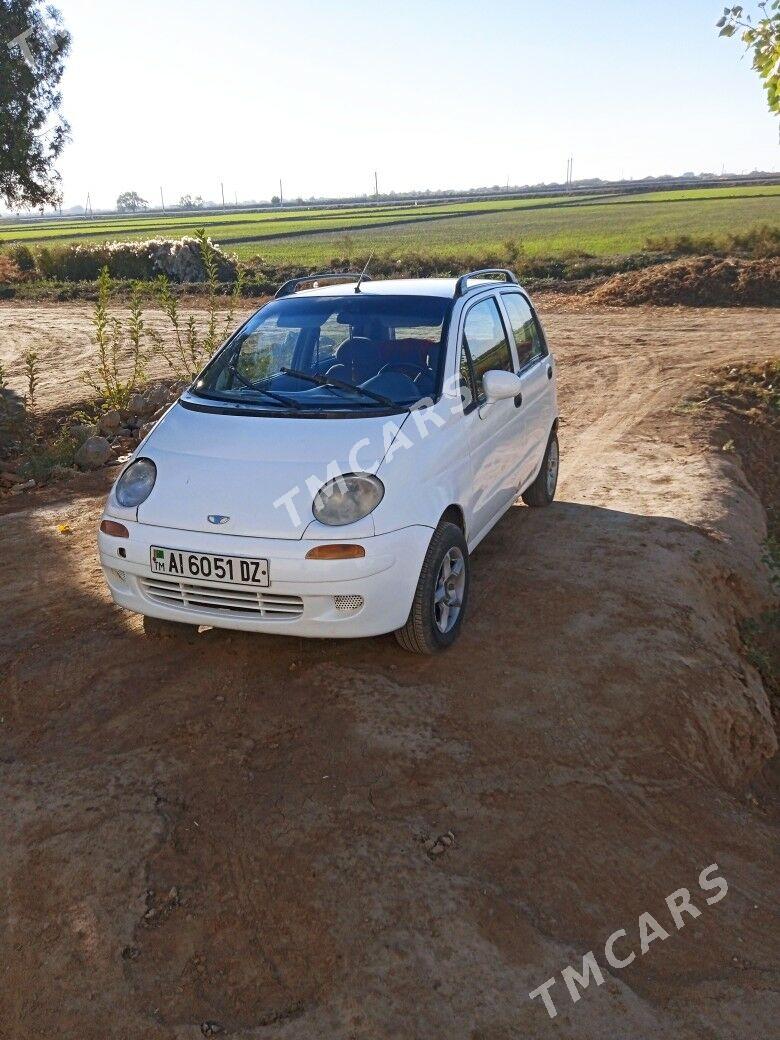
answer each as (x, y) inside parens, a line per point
(500, 385)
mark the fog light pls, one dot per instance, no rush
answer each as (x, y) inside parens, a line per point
(114, 529)
(336, 552)
(348, 603)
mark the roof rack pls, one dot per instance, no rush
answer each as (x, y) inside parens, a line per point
(293, 283)
(463, 281)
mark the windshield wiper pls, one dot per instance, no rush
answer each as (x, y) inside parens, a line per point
(340, 384)
(286, 401)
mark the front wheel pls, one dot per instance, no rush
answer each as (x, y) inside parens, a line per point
(441, 595)
(542, 491)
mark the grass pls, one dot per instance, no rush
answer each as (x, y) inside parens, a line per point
(601, 226)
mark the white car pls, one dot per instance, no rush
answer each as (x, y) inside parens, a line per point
(332, 468)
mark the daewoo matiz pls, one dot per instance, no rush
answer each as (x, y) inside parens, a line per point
(332, 468)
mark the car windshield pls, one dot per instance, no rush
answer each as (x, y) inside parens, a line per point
(333, 353)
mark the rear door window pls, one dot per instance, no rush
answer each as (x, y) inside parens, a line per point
(525, 329)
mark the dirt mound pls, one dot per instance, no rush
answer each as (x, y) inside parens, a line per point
(744, 401)
(705, 281)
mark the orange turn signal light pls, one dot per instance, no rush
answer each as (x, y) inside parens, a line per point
(336, 552)
(114, 529)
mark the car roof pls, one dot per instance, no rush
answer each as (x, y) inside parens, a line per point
(444, 287)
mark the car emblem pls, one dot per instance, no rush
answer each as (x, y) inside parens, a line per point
(219, 521)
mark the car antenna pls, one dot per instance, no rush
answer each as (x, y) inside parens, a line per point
(363, 273)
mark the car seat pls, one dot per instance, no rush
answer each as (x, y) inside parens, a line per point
(357, 359)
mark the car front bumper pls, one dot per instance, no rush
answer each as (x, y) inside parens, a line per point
(311, 598)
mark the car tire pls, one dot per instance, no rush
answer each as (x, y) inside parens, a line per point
(441, 596)
(157, 628)
(542, 491)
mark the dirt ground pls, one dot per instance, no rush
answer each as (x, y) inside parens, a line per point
(228, 833)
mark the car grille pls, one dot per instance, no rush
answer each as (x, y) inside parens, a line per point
(216, 599)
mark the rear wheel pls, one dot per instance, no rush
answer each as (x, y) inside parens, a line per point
(441, 595)
(542, 491)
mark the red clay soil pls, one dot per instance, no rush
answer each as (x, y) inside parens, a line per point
(231, 834)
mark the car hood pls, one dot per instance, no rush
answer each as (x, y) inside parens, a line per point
(242, 467)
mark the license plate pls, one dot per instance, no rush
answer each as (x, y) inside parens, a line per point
(231, 570)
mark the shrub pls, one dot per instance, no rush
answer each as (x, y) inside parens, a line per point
(30, 360)
(71, 263)
(9, 271)
(115, 379)
(24, 258)
(758, 242)
(181, 260)
(190, 352)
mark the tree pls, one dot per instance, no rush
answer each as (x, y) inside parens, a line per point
(188, 202)
(33, 132)
(763, 39)
(131, 202)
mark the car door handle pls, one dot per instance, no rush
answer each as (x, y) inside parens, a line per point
(549, 371)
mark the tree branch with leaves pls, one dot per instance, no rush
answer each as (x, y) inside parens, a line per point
(762, 38)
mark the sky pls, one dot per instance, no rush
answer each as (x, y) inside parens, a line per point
(185, 95)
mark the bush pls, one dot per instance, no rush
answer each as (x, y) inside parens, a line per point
(759, 242)
(70, 263)
(9, 272)
(119, 369)
(24, 258)
(180, 261)
(190, 351)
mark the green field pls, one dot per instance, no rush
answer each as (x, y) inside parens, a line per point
(599, 225)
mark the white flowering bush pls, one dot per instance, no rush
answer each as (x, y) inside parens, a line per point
(179, 260)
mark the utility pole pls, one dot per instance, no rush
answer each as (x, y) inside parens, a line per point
(281, 193)
(222, 186)
(88, 207)
(376, 185)
(162, 199)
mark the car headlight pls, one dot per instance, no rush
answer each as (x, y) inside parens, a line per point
(347, 499)
(136, 483)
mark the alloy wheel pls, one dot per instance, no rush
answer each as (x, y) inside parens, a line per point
(450, 588)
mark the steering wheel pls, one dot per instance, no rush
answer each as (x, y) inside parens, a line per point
(396, 366)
